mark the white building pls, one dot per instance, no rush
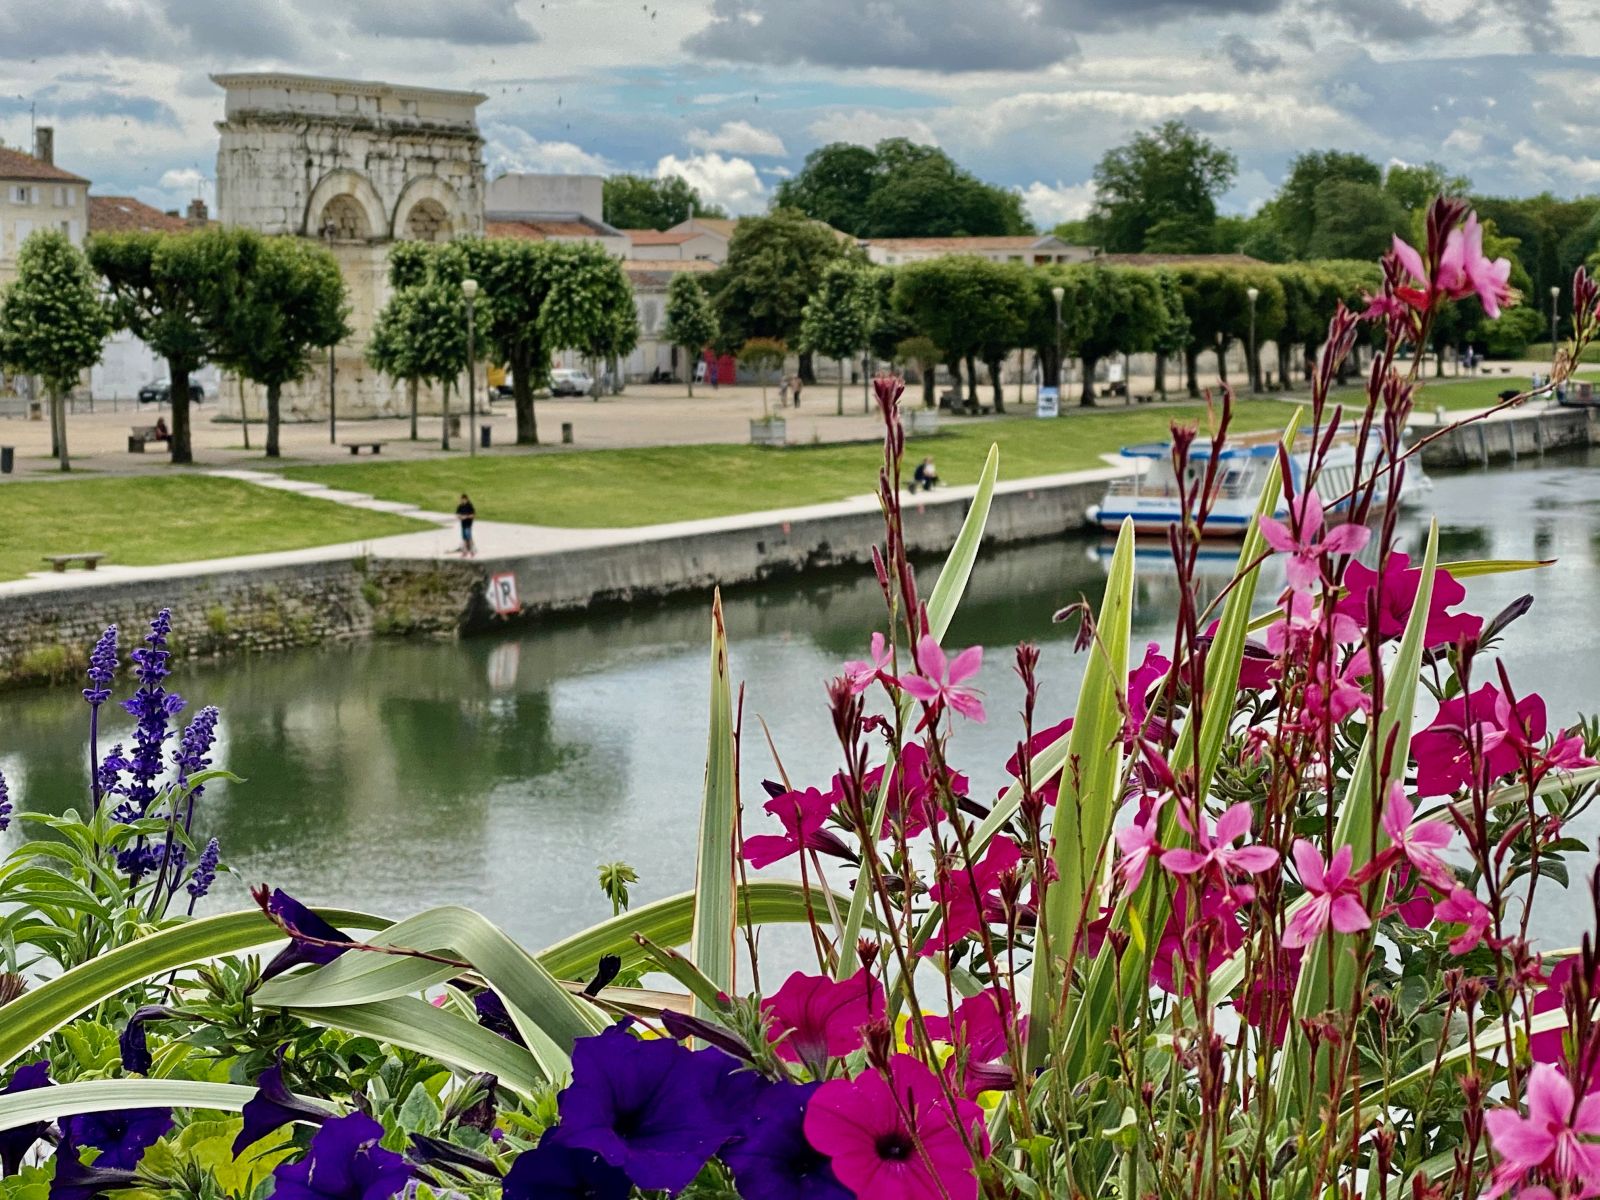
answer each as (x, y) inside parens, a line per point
(552, 208)
(37, 194)
(1029, 249)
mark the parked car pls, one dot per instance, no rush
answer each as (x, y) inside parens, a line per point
(570, 381)
(159, 391)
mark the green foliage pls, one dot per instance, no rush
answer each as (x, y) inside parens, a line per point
(638, 202)
(775, 265)
(1295, 206)
(762, 354)
(899, 189)
(1160, 191)
(52, 320)
(969, 306)
(838, 318)
(1355, 220)
(1414, 187)
(691, 320)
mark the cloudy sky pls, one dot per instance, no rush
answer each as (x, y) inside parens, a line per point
(733, 93)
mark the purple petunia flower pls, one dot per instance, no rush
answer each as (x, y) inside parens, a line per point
(345, 1163)
(299, 920)
(643, 1106)
(553, 1171)
(74, 1181)
(102, 668)
(205, 871)
(272, 1107)
(493, 1016)
(771, 1159)
(122, 1136)
(133, 1044)
(15, 1143)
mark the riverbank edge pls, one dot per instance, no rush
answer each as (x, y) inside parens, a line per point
(45, 636)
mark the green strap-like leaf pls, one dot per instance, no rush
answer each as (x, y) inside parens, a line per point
(108, 1095)
(711, 945)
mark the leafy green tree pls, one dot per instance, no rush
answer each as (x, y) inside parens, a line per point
(1166, 180)
(1555, 235)
(971, 308)
(833, 186)
(1414, 187)
(169, 290)
(839, 316)
(925, 353)
(1079, 232)
(1355, 220)
(775, 265)
(1310, 296)
(53, 322)
(1294, 209)
(638, 202)
(1217, 301)
(421, 336)
(763, 355)
(1109, 310)
(691, 321)
(590, 308)
(291, 301)
(1173, 333)
(411, 265)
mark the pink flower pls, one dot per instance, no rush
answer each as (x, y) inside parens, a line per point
(1333, 899)
(914, 800)
(1417, 843)
(1462, 908)
(1415, 289)
(896, 1138)
(1566, 753)
(955, 888)
(1550, 1045)
(1333, 695)
(1138, 845)
(1217, 853)
(1304, 566)
(1463, 269)
(861, 675)
(1397, 592)
(938, 681)
(811, 1018)
(1215, 930)
(978, 1027)
(802, 815)
(1550, 1139)
(1141, 679)
(1303, 621)
(1483, 722)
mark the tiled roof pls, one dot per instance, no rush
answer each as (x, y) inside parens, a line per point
(1179, 260)
(721, 226)
(512, 229)
(660, 237)
(124, 214)
(538, 231)
(658, 273)
(14, 164)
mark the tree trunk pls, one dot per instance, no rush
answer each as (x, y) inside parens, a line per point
(839, 399)
(999, 388)
(808, 373)
(411, 396)
(273, 417)
(1161, 375)
(929, 373)
(1222, 361)
(444, 416)
(244, 413)
(1090, 361)
(522, 399)
(55, 417)
(1022, 372)
(58, 408)
(689, 361)
(972, 380)
(182, 444)
(1191, 368)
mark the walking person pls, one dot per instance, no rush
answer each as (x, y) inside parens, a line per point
(783, 393)
(712, 371)
(465, 514)
(799, 384)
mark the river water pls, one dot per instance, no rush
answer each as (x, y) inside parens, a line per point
(498, 772)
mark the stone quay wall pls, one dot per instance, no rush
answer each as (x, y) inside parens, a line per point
(1524, 435)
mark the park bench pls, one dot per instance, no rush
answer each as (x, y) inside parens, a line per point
(952, 402)
(357, 447)
(140, 436)
(60, 562)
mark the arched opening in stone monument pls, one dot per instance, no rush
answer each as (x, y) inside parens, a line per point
(427, 222)
(344, 220)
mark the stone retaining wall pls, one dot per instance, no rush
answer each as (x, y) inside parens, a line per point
(1511, 438)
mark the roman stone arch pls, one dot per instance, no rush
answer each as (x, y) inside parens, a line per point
(345, 203)
(429, 210)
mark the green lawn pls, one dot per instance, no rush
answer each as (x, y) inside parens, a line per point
(144, 520)
(606, 488)
(1482, 391)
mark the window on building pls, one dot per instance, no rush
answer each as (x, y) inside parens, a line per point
(21, 195)
(63, 197)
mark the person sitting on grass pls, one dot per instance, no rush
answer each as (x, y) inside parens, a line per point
(925, 476)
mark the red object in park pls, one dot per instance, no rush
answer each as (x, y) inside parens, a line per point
(726, 367)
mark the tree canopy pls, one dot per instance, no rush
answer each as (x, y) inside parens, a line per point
(838, 318)
(1159, 192)
(640, 202)
(775, 264)
(691, 321)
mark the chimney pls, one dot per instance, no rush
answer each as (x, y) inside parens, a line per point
(197, 214)
(44, 144)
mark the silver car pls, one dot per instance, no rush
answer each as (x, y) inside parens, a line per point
(570, 381)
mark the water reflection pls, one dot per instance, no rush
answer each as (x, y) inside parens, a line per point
(498, 772)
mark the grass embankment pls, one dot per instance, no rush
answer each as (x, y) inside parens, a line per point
(145, 520)
(614, 488)
(1481, 391)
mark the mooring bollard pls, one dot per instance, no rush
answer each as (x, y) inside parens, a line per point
(566, 433)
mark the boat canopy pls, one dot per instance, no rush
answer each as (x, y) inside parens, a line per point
(1201, 452)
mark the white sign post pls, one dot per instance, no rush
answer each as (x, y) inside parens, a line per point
(1049, 402)
(503, 594)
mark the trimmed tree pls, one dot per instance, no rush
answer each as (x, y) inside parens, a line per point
(971, 308)
(838, 317)
(421, 335)
(53, 322)
(291, 302)
(763, 355)
(590, 307)
(1109, 310)
(925, 353)
(691, 321)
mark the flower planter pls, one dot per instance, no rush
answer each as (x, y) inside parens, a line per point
(924, 421)
(770, 431)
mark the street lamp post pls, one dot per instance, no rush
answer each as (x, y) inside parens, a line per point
(1058, 293)
(1251, 363)
(469, 289)
(1555, 308)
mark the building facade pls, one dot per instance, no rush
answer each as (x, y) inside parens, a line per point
(37, 194)
(1030, 250)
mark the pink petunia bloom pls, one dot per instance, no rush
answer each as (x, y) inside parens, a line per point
(1141, 679)
(1215, 930)
(897, 1138)
(914, 801)
(802, 815)
(1298, 539)
(1333, 898)
(1216, 852)
(861, 675)
(978, 1029)
(1550, 1139)
(1397, 592)
(1484, 722)
(938, 680)
(1462, 908)
(1418, 843)
(1464, 270)
(954, 891)
(812, 1018)
(1269, 994)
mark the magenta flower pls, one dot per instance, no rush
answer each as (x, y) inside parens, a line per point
(1418, 843)
(954, 890)
(1550, 1139)
(896, 1138)
(1141, 679)
(1464, 270)
(1483, 722)
(861, 675)
(811, 1018)
(1138, 846)
(1209, 936)
(978, 1028)
(1397, 592)
(1333, 899)
(802, 815)
(914, 801)
(1298, 539)
(1462, 908)
(1334, 694)
(1216, 852)
(938, 680)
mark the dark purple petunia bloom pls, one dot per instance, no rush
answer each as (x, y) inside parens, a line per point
(205, 872)
(643, 1106)
(771, 1159)
(135, 1047)
(495, 1017)
(272, 1107)
(553, 1171)
(5, 805)
(301, 923)
(74, 1181)
(735, 1088)
(121, 1136)
(345, 1163)
(15, 1143)
(102, 668)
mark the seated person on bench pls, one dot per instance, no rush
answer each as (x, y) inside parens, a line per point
(162, 433)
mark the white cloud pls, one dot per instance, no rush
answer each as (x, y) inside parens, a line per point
(511, 149)
(738, 137)
(864, 127)
(1464, 141)
(734, 183)
(184, 179)
(1050, 205)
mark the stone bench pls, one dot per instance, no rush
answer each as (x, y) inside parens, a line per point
(140, 436)
(60, 562)
(355, 448)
